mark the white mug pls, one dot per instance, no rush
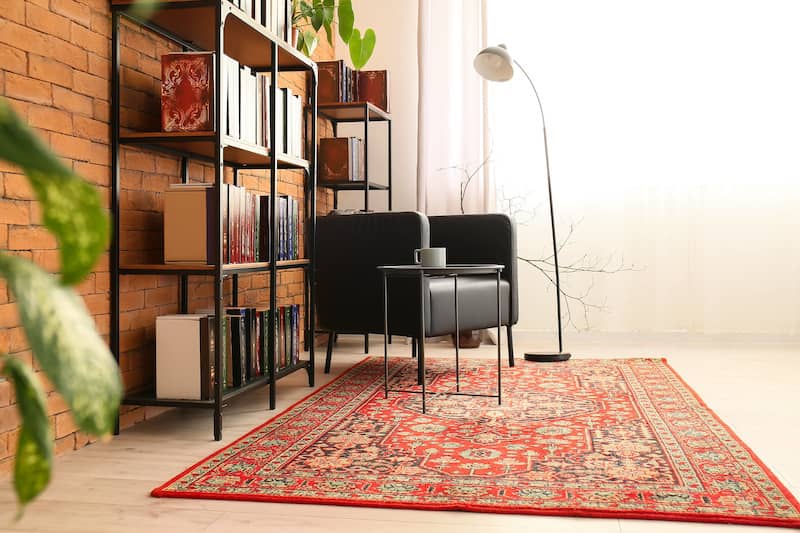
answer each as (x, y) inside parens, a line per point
(430, 257)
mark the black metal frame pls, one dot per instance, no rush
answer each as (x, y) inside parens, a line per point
(371, 113)
(421, 272)
(222, 10)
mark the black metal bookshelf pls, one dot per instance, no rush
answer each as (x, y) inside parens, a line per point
(218, 26)
(364, 113)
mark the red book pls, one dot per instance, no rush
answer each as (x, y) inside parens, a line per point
(373, 87)
(187, 91)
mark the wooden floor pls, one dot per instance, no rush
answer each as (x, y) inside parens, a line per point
(752, 383)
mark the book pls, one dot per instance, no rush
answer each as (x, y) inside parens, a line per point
(238, 343)
(330, 81)
(373, 87)
(187, 91)
(190, 215)
(185, 357)
(341, 159)
(265, 250)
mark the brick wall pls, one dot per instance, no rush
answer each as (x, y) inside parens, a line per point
(55, 70)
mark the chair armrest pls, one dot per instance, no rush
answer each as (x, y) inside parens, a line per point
(484, 238)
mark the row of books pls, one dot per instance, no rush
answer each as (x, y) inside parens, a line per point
(185, 349)
(275, 15)
(342, 159)
(339, 83)
(187, 96)
(190, 219)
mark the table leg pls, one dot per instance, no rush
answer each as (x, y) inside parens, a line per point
(499, 399)
(458, 333)
(421, 361)
(385, 335)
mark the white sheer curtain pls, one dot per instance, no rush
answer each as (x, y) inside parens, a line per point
(451, 137)
(673, 130)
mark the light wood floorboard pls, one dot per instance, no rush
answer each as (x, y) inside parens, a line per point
(750, 382)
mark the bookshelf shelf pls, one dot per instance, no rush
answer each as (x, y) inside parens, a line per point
(352, 112)
(220, 27)
(193, 23)
(209, 270)
(363, 113)
(200, 145)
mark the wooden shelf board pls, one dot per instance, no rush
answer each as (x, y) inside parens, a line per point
(244, 40)
(205, 270)
(352, 185)
(351, 112)
(201, 144)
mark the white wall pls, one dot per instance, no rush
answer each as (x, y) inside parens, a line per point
(395, 25)
(674, 135)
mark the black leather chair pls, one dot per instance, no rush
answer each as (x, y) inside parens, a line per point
(349, 291)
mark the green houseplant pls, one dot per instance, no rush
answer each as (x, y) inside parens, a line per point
(60, 331)
(309, 16)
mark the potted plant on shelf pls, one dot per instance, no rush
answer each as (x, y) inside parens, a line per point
(309, 16)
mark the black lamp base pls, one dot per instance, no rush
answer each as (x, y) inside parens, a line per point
(547, 357)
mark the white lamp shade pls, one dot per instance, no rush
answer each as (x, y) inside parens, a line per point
(494, 63)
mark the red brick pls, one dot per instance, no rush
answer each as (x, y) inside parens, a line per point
(14, 212)
(97, 304)
(17, 341)
(139, 42)
(99, 66)
(9, 418)
(46, 69)
(14, 10)
(5, 393)
(68, 53)
(47, 22)
(136, 160)
(91, 129)
(33, 238)
(28, 89)
(13, 34)
(102, 111)
(50, 260)
(95, 43)
(91, 85)
(161, 296)
(8, 316)
(65, 425)
(48, 118)
(73, 10)
(129, 301)
(69, 146)
(97, 174)
(13, 59)
(101, 23)
(3, 244)
(17, 186)
(65, 444)
(71, 101)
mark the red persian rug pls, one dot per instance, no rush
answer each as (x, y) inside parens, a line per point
(623, 438)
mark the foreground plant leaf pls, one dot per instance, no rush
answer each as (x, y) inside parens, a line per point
(71, 208)
(34, 460)
(361, 48)
(346, 19)
(64, 341)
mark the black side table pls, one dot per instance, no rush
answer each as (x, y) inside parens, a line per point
(419, 271)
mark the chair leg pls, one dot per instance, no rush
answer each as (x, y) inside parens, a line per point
(420, 373)
(413, 348)
(366, 342)
(510, 346)
(331, 337)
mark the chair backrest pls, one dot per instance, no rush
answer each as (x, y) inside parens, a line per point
(480, 238)
(349, 249)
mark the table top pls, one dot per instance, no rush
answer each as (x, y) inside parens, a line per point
(447, 270)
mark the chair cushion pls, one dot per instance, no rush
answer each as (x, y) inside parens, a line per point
(477, 304)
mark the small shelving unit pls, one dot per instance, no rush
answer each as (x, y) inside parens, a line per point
(218, 26)
(364, 113)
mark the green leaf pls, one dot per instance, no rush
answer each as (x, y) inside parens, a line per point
(144, 9)
(34, 459)
(361, 49)
(311, 40)
(301, 42)
(317, 15)
(71, 208)
(346, 19)
(64, 341)
(327, 19)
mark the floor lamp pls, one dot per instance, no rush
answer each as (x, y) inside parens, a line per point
(496, 64)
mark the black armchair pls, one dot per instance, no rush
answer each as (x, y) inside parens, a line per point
(350, 289)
